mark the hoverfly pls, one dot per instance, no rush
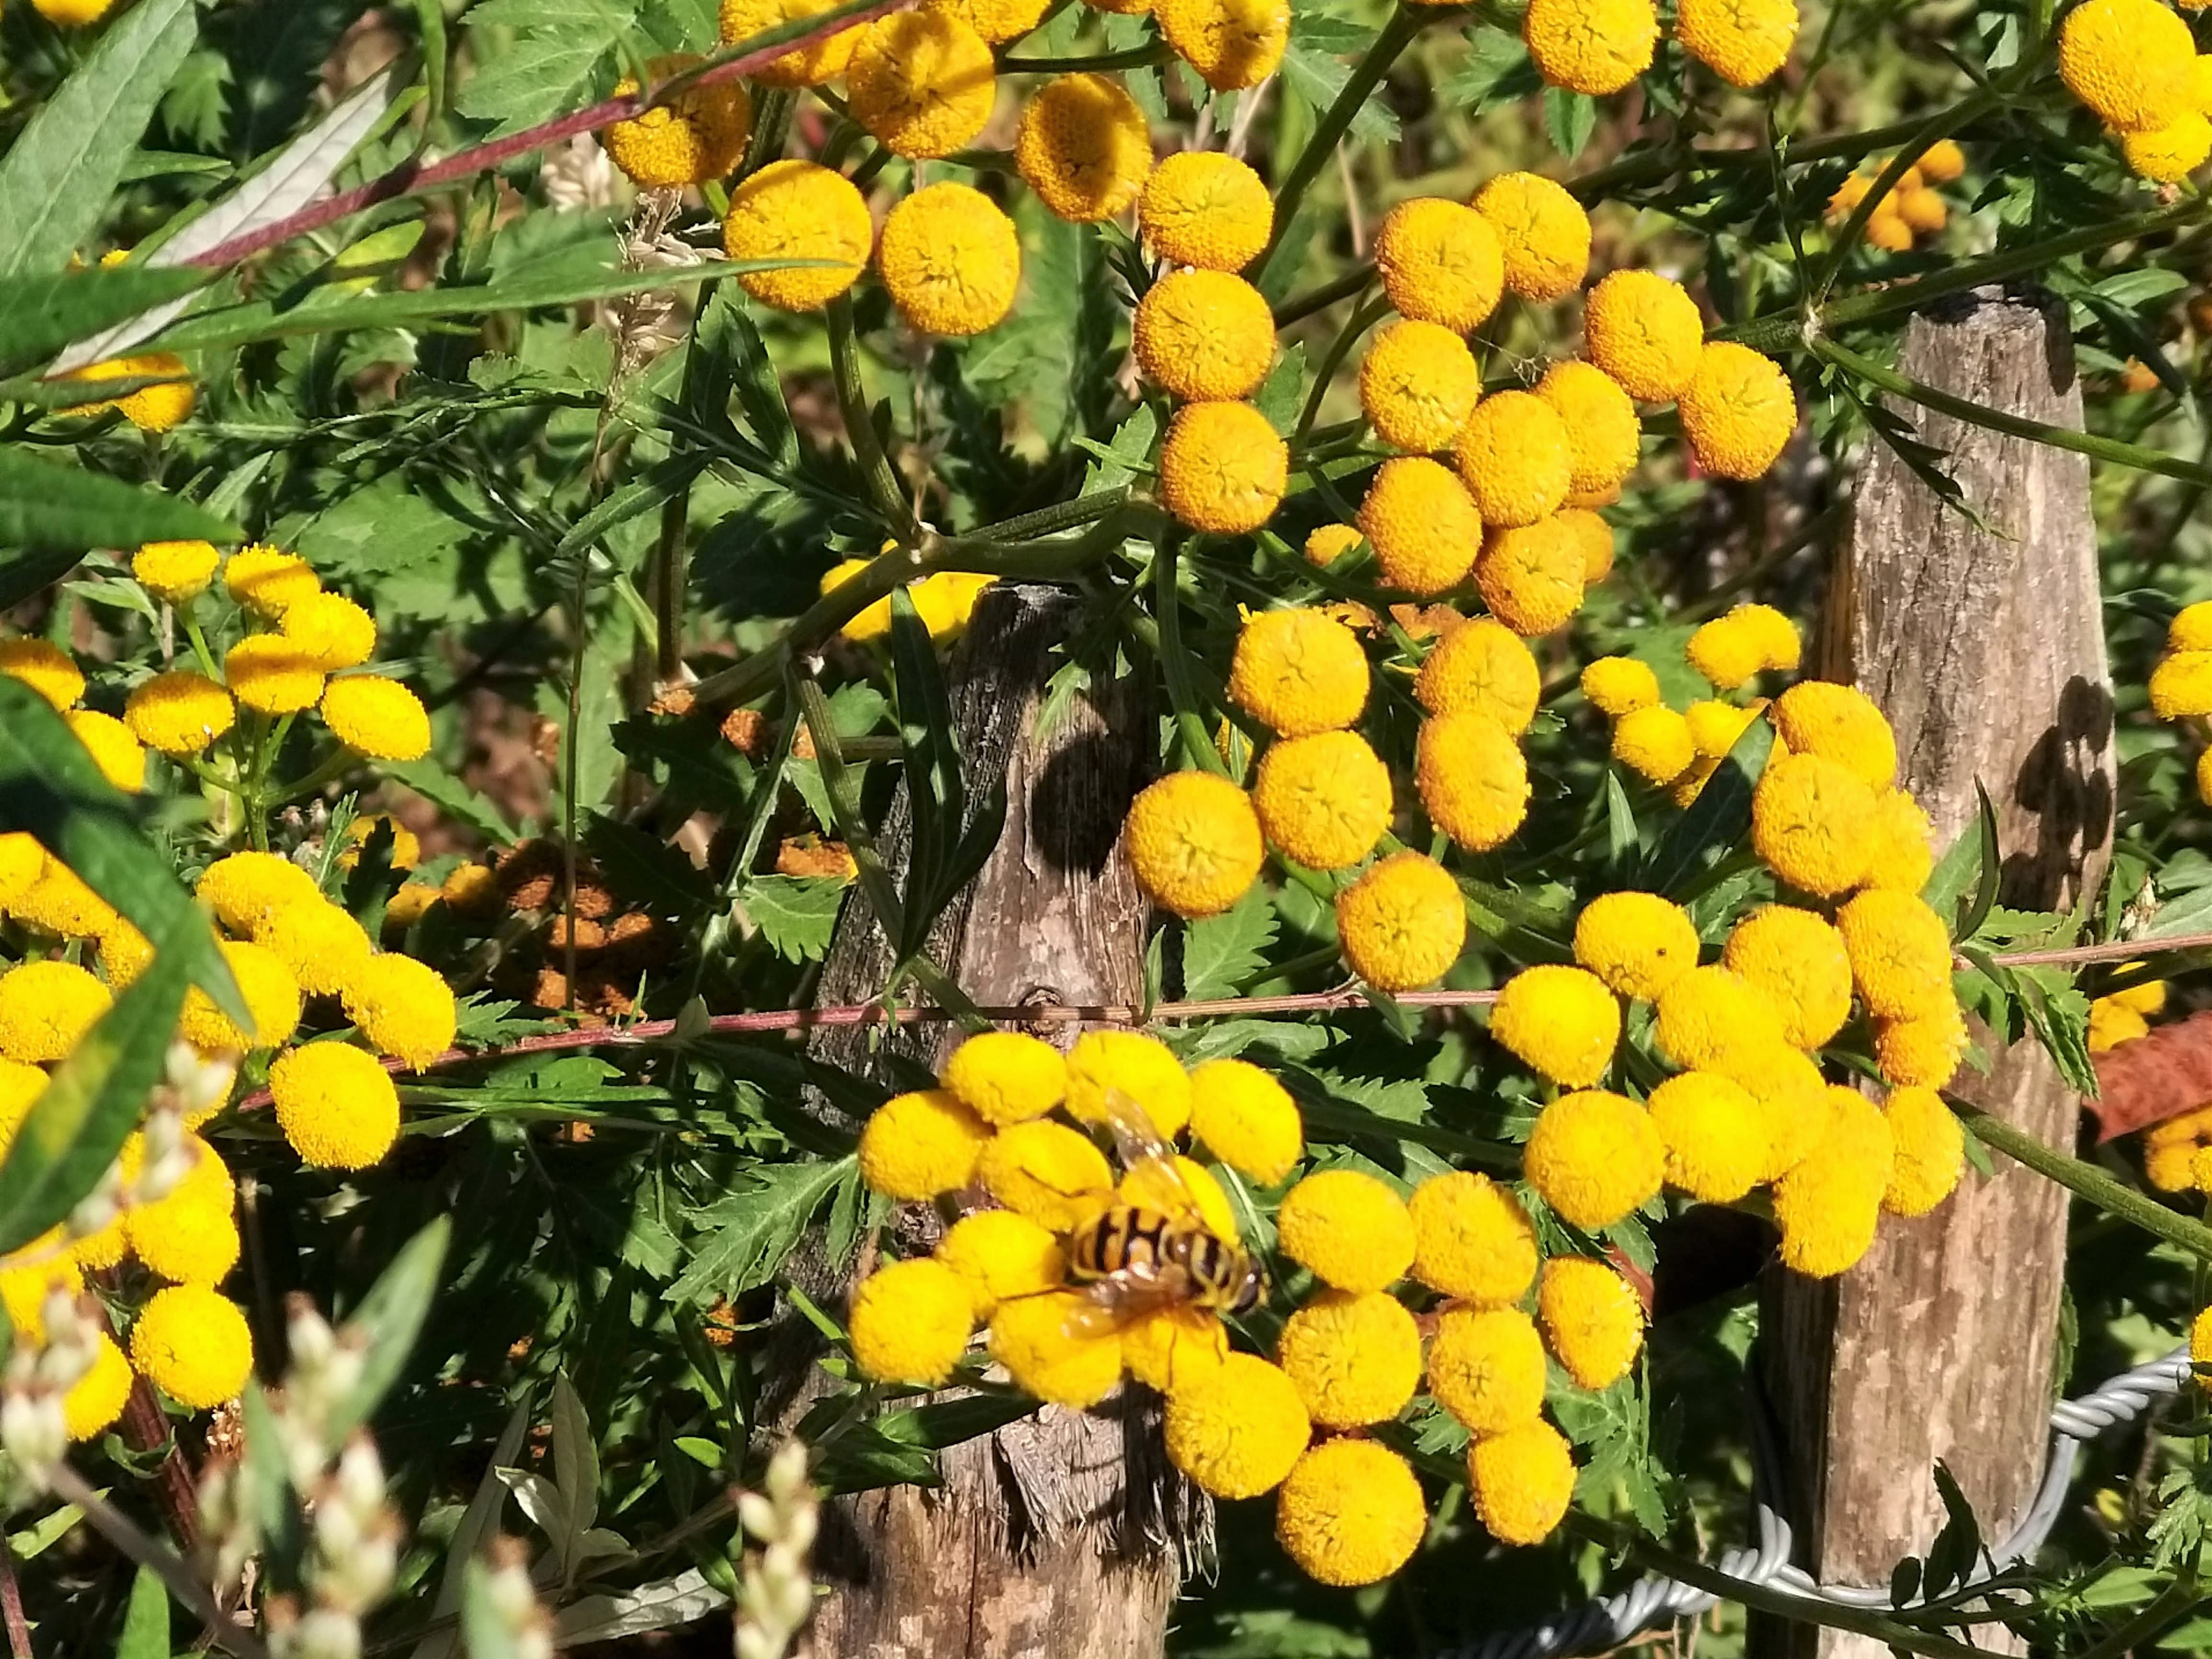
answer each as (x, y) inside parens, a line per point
(1134, 1259)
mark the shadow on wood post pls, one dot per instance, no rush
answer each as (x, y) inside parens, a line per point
(1986, 651)
(1064, 1533)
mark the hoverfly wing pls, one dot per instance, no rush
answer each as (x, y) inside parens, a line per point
(1118, 1299)
(1140, 1146)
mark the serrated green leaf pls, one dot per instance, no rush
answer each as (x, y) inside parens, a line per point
(797, 914)
(1219, 953)
(1283, 392)
(1314, 69)
(429, 778)
(1570, 118)
(652, 871)
(561, 58)
(2058, 1014)
(745, 1237)
(1497, 70)
(60, 172)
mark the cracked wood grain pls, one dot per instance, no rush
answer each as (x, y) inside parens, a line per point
(1063, 1535)
(1986, 649)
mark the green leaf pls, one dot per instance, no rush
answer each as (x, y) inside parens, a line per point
(58, 176)
(2058, 1014)
(749, 1233)
(796, 914)
(72, 510)
(561, 58)
(27, 574)
(1284, 389)
(1570, 118)
(2189, 912)
(937, 790)
(1497, 70)
(486, 1631)
(94, 1099)
(1717, 820)
(429, 778)
(1990, 866)
(657, 875)
(41, 313)
(45, 1533)
(1130, 451)
(1958, 869)
(145, 1620)
(392, 1315)
(51, 787)
(2130, 289)
(1220, 953)
(574, 276)
(1313, 69)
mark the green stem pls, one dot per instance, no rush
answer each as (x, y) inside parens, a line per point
(1354, 325)
(2086, 1180)
(1175, 668)
(199, 645)
(1154, 51)
(1299, 306)
(1361, 1124)
(876, 472)
(335, 765)
(1798, 1609)
(875, 880)
(1779, 329)
(1056, 561)
(257, 827)
(1049, 520)
(1367, 74)
(2014, 426)
(2178, 1598)
(1663, 163)
(1938, 126)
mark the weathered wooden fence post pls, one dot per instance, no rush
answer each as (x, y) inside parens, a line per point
(1060, 1536)
(1986, 651)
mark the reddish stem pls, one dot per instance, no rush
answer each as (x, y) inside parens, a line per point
(146, 1425)
(11, 1606)
(412, 178)
(1108, 1013)
(647, 1032)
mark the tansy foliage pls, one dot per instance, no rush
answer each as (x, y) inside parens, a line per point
(519, 619)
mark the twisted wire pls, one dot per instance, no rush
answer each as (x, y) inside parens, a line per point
(1608, 1622)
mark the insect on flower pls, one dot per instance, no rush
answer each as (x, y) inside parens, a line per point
(1135, 1259)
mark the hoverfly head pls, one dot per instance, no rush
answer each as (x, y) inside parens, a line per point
(1249, 1288)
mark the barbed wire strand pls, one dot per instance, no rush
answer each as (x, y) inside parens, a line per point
(1609, 1621)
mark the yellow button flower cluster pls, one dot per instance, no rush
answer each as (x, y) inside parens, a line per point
(1350, 1355)
(2181, 682)
(300, 664)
